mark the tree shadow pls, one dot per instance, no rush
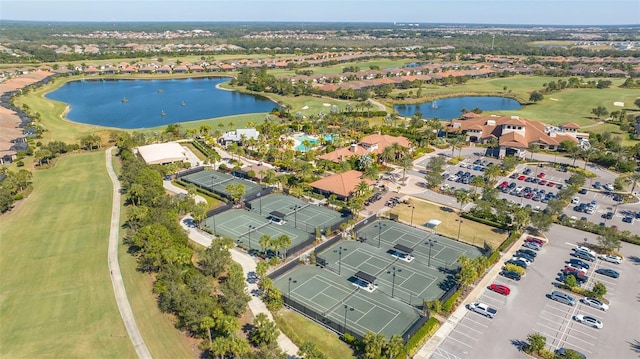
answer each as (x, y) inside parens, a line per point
(635, 345)
(519, 344)
(447, 283)
(446, 209)
(634, 259)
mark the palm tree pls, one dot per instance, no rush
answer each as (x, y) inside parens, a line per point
(634, 177)
(586, 155)
(406, 164)
(206, 324)
(462, 197)
(265, 242)
(533, 148)
(455, 142)
(387, 154)
(362, 188)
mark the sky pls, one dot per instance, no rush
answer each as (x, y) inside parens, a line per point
(522, 12)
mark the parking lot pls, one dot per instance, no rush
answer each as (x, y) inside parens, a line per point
(527, 309)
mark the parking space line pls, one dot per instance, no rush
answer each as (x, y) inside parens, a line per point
(456, 340)
(552, 328)
(584, 333)
(477, 322)
(563, 317)
(466, 335)
(498, 300)
(576, 338)
(466, 326)
(447, 354)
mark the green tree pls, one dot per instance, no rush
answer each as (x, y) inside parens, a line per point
(537, 342)
(206, 324)
(373, 345)
(536, 96)
(541, 221)
(199, 212)
(609, 241)
(434, 171)
(234, 299)
(599, 289)
(406, 164)
(468, 272)
(309, 350)
(265, 331)
(216, 257)
(236, 191)
(261, 269)
(266, 242)
(599, 111)
(394, 347)
(571, 281)
(462, 197)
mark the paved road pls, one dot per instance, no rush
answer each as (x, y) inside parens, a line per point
(114, 267)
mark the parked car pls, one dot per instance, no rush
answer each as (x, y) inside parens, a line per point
(611, 258)
(511, 275)
(608, 272)
(563, 297)
(593, 302)
(562, 353)
(608, 187)
(523, 259)
(483, 309)
(528, 252)
(575, 201)
(589, 320)
(578, 263)
(517, 262)
(585, 249)
(525, 256)
(500, 289)
(627, 219)
(534, 240)
(541, 175)
(532, 245)
(582, 191)
(597, 185)
(584, 255)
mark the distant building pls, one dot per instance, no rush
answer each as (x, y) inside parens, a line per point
(237, 136)
(370, 144)
(162, 153)
(343, 185)
(515, 134)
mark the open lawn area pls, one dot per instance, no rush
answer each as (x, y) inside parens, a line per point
(300, 330)
(470, 232)
(56, 295)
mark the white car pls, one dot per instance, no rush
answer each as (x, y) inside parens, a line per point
(611, 258)
(516, 258)
(592, 302)
(483, 309)
(575, 200)
(589, 320)
(585, 249)
(608, 187)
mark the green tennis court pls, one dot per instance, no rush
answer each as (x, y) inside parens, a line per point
(247, 227)
(334, 298)
(298, 213)
(442, 251)
(215, 181)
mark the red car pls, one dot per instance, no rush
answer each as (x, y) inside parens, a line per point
(534, 240)
(504, 184)
(543, 182)
(522, 177)
(550, 184)
(500, 289)
(541, 175)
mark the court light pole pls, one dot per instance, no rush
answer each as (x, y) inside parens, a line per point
(260, 200)
(250, 229)
(412, 208)
(295, 215)
(393, 279)
(380, 225)
(460, 221)
(291, 280)
(346, 309)
(430, 243)
(340, 250)
(214, 223)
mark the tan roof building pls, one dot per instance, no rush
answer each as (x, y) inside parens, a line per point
(370, 144)
(514, 134)
(341, 184)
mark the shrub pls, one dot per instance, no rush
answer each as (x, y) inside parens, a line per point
(350, 339)
(493, 258)
(449, 305)
(514, 268)
(420, 337)
(512, 238)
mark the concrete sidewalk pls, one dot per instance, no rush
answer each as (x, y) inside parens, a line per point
(445, 329)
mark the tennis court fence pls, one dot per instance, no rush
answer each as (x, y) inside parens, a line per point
(190, 171)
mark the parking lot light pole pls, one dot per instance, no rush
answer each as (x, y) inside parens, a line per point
(380, 225)
(430, 243)
(340, 250)
(346, 309)
(393, 279)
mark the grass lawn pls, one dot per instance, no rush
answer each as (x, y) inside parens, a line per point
(470, 232)
(300, 330)
(157, 328)
(56, 295)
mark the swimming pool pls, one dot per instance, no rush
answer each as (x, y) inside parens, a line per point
(300, 139)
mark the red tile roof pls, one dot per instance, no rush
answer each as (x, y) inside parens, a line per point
(342, 184)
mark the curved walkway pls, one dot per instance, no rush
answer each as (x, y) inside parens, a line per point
(248, 265)
(114, 267)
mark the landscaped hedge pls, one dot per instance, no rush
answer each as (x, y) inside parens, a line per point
(493, 258)
(624, 236)
(449, 304)
(484, 221)
(421, 336)
(206, 150)
(506, 244)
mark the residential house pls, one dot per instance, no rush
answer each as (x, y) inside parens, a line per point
(343, 185)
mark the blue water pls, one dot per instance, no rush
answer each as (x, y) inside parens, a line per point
(449, 108)
(100, 102)
(313, 141)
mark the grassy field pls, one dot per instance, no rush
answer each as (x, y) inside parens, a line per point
(157, 328)
(301, 330)
(56, 295)
(470, 232)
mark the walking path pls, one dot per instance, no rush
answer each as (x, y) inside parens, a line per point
(445, 329)
(248, 265)
(114, 267)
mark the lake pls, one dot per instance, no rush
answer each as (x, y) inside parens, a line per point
(449, 108)
(133, 104)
